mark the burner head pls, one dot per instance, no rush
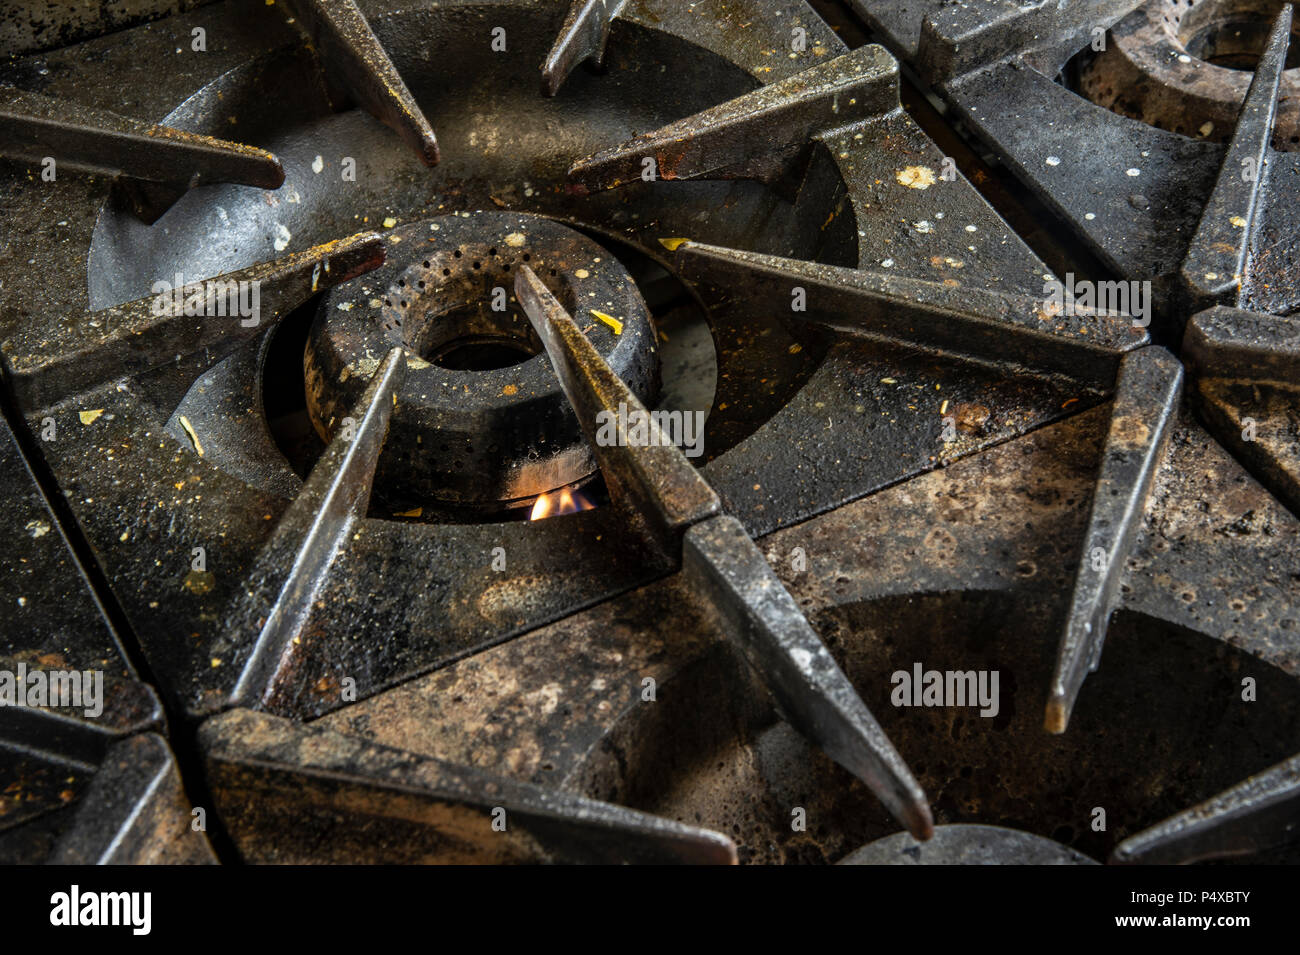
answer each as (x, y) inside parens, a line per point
(481, 421)
(1186, 68)
(965, 844)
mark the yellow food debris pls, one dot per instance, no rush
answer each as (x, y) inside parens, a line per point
(189, 430)
(89, 417)
(198, 581)
(510, 390)
(916, 177)
(672, 245)
(389, 222)
(413, 512)
(1238, 221)
(609, 320)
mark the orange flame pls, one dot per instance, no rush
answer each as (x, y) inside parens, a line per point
(560, 502)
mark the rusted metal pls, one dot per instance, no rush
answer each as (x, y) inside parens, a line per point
(61, 25)
(1235, 343)
(353, 56)
(1246, 369)
(522, 649)
(135, 812)
(722, 564)
(725, 568)
(128, 707)
(70, 627)
(956, 38)
(1138, 195)
(1183, 68)
(932, 569)
(1147, 396)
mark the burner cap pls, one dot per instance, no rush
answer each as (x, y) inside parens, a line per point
(967, 845)
(1186, 67)
(481, 421)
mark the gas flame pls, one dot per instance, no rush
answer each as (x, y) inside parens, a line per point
(560, 502)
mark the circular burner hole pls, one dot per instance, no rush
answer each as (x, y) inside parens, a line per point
(1237, 45)
(481, 353)
(472, 337)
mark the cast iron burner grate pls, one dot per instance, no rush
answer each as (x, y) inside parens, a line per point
(270, 464)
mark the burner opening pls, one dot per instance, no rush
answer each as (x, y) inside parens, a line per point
(473, 338)
(485, 353)
(1234, 37)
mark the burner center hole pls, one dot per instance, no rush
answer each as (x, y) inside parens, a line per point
(481, 354)
(1232, 34)
(473, 337)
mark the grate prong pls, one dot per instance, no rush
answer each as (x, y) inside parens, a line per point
(1243, 363)
(582, 37)
(759, 135)
(1146, 403)
(976, 322)
(353, 55)
(726, 569)
(149, 334)
(1214, 269)
(293, 565)
(758, 614)
(460, 813)
(1259, 813)
(158, 161)
(656, 483)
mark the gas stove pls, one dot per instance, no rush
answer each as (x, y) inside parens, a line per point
(635, 431)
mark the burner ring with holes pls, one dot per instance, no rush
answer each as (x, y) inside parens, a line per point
(1186, 68)
(481, 421)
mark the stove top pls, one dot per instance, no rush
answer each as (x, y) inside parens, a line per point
(643, 431)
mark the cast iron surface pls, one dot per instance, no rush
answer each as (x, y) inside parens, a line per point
(910, 448)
